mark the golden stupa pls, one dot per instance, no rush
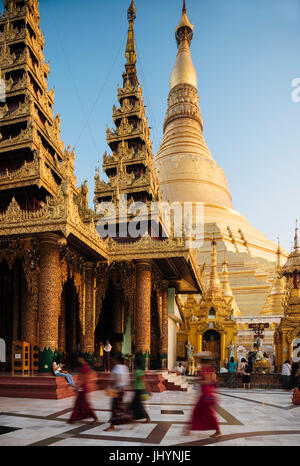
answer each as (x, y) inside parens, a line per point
(188, 173)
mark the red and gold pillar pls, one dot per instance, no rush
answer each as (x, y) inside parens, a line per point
(143, 311)
(49, 299)
(62, 325)
(164, 327)
(88, 343)
(117, 317)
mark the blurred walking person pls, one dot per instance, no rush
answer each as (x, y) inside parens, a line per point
(119, 383)
(286, 375)
(203, 416)
(106, 354)
(231, 373)
(293, 378)
(136, 406)
(82, 408)
(245, 371)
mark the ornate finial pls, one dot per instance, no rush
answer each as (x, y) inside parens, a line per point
(130, 47)
(296, 241)
(184, 30)
(278, 253)
(131, 13)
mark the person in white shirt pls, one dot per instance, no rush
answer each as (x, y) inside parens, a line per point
(180, 368)
(286, 375)
(106, 353)
(120, 381)
(57, 371)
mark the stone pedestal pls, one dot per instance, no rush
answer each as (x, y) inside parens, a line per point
(143, 311)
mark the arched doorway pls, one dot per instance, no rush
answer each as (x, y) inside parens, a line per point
(212, 342)
(111, 323)
(70, 330)
(13, 290)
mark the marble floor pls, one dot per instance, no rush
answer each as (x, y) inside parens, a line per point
(255, 417)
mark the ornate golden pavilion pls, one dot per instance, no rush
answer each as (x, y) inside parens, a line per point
(61, 284)
(210, 325)
(288, 332)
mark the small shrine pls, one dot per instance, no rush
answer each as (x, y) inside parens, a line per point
(287, 335)
(210, 325)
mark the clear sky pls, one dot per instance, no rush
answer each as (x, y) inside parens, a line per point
(246, 54)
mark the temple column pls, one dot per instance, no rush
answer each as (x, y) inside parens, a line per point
(117, 324)
(29, 319)
(223, 347)
(16, 303)
(88, 338)
(62, 325)
(164, 326)
(199, 343)
(143, 311)
(49, 299)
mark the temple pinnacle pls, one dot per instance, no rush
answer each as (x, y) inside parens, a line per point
(296, 241)
(130, 47)
(131, 13)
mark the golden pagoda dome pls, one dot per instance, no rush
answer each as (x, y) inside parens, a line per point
(188, 173)
(186, 168)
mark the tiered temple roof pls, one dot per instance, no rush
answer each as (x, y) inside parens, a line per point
(129, 168)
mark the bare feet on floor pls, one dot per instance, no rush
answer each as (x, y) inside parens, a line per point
(216, 435)
(109, 429)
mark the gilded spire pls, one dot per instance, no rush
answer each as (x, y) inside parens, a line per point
(293, 262)
(227, 291)
(296, 241)
(130, 47)
(214, 286)
(278, 253)
(184, 71)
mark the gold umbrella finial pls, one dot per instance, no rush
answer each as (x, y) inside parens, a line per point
(130, 52)
(131, 13)
(296, 240)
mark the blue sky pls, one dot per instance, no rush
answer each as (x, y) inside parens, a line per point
(246, 54)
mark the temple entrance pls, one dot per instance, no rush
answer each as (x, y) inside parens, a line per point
(212, 342)
(155, 335)
(13, 289)
(69, 325)
(111, 325)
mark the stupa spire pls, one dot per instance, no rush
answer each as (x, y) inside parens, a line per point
(130, 47)
(187, 170)
(296, 240)
(129, 168)
(184, 71)
(214, 286)
(227, 291)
